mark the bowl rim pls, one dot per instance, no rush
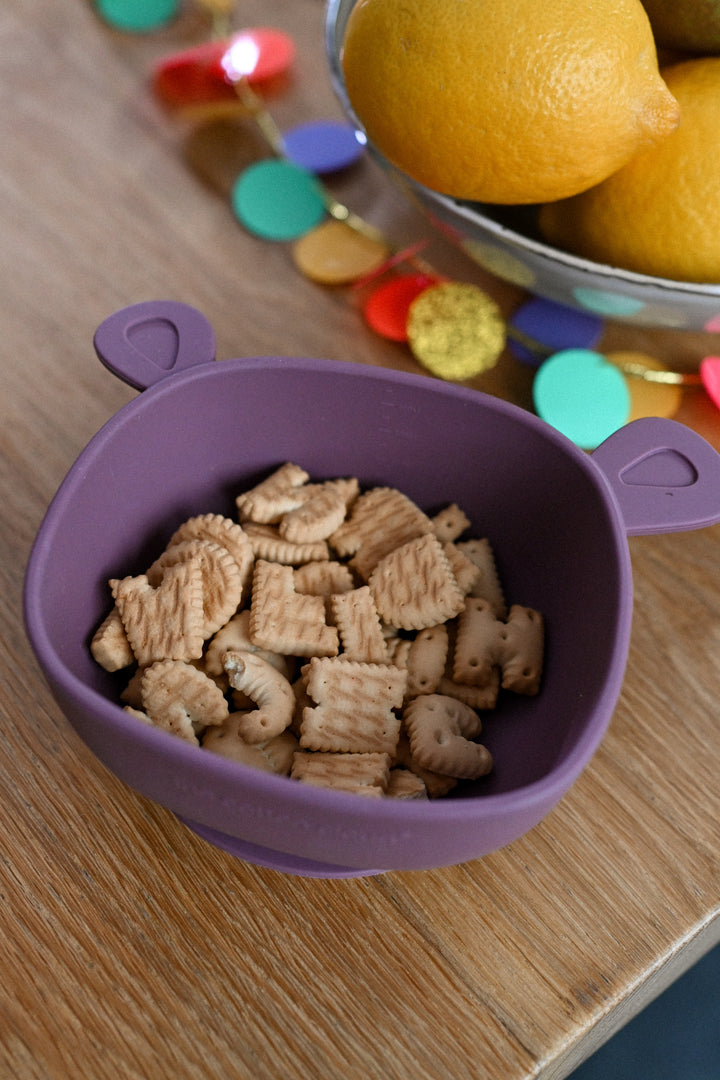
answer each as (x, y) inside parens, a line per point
(548, 789)
(473, 212)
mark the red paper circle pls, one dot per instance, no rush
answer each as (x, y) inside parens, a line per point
(199, 76)
(710, 375)
(386, 309)
(258, 54)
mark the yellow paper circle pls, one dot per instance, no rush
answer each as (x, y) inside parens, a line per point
(647, 398)
(335, 254)
(456, 330)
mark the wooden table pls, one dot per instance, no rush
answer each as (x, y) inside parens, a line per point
(130, 947)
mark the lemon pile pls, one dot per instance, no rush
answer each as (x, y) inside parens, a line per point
(554, 103)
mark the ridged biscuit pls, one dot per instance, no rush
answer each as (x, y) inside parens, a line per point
(267, 501)
(322, 578)
(380, 520)
(180, 699)
(322, 511)
(405, 784)
(354, 708)
(267, 543)
(219, 530)
(165, 623)
(283, 621)
(361, 774)
(110, 647)
(414, 587)
(358, 624)
(222, 579)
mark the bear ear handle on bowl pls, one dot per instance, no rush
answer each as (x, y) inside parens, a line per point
(664, 476)
(147, 342)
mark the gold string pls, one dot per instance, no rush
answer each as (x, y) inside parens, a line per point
(669, 378)
(221, 12)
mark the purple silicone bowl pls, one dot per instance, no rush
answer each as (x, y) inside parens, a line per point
(202, 430)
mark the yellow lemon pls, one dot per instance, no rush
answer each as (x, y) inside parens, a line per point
(506, 101)
(659, 214)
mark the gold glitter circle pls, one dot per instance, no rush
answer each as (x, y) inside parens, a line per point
(456, 330)
(335, 254)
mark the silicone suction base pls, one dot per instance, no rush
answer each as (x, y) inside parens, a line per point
(274, 860)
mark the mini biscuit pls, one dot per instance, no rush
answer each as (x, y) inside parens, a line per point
(477, 644)
(219, 530)
(450, 523)
(221, 577)
(405, 784)
(354, 706)
(361, 774)
(138, 714)
(414, 587)
(267, 543)
(276, 495)
(488, 585)
(285, 622)
(180, 699)
(302, 702)
(426, 659)
(380, 520)
(467, 574)
(165, 623)
(358, 624)
(516, 646)
(348, 488)
(322, 579)
(271, 692)
(440, 730)
(273, 756)
(316, 519)
(398, 651)
(483, 698)
(522, 653)
(131, 694)
(110, 647)
(235, 637)
(436, 785)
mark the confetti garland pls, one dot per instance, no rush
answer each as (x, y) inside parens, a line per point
(453, 329)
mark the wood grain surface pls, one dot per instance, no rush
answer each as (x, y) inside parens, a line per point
(130, 947)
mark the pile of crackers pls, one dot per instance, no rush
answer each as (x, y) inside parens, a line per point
(338, 636)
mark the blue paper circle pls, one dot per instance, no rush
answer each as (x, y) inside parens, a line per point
(277, 200)
(583, 395)
(323, 146)
(554, 326)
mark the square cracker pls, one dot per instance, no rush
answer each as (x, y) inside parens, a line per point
(362, 774)
(354, 705)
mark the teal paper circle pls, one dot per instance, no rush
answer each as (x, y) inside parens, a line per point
(583, 395)
(277, 200)
(607, 303)
(138, 15)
